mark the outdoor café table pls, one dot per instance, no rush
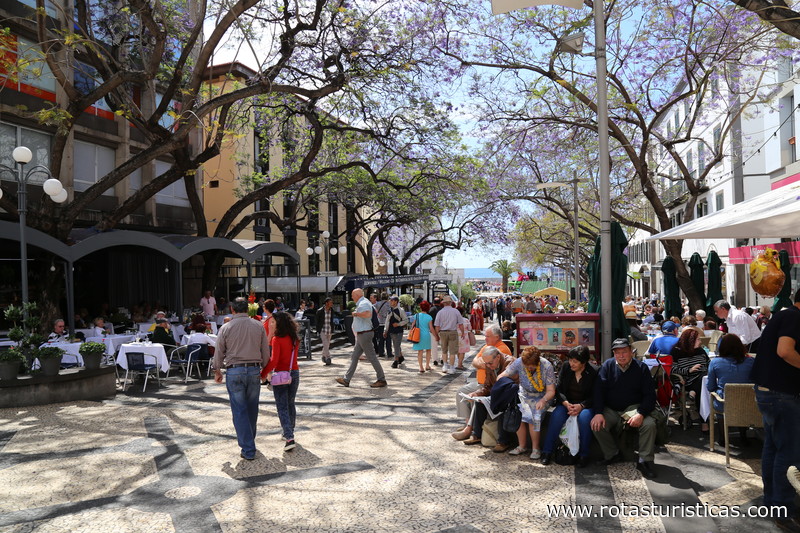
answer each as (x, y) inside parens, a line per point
(112, 342)
(152, 349)
(211, 337)
(71, 354)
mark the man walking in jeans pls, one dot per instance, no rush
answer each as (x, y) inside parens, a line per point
(776, 373)
(363, 331)
(242, 349)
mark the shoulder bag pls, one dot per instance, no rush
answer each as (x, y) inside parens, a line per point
(284, 377)
(414, 332)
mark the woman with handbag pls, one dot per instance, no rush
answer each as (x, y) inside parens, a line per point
(537, 383)
(575, 398)
(285, 373)
(424, 323)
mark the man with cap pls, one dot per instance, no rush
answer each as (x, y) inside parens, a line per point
(624, 397)
(162, 334)
(449, 327)
(665, 343)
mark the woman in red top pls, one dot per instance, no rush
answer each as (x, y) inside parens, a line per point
(284, 345)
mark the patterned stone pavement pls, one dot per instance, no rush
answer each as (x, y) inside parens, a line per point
(367, 460)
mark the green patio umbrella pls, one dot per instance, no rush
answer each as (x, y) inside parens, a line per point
(619, 273)
(784, 298)
(714, 293)
(593, 269)
(672, 300)
(698, 275)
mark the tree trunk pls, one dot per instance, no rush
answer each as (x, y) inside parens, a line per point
(505, 284)
(673, 249)
(212, 262)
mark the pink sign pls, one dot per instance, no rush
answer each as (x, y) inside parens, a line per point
(744, 255)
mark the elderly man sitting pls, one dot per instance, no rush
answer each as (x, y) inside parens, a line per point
(162, 334)
(59, 331)
(493, 336)
(624, 397)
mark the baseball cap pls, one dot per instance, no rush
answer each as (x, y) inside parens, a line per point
(619, 343)
(669, 326)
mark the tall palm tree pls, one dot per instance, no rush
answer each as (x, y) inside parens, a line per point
(505, 268)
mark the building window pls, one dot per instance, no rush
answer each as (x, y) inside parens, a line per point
(135, 181)
(12, 136)
(720, 201)
(90, 163)
(702, 208)
(701, 157)
(174, 193)
(717, 138)
(213, 184)
(26, 60)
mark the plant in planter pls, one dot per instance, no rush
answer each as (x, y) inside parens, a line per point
(92, 353)
(11, 361)
(25, 330)
(50, 359)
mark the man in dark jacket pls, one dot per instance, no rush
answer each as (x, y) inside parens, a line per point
(162, 334)
(624, 398)
(324, 325)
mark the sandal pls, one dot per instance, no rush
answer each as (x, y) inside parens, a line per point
(421, 371)
(429, 369)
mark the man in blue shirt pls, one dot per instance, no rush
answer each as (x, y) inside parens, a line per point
(664, 344)
(776, 373)
(624, 397)
(363, 330)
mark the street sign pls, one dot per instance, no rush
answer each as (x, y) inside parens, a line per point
(441, 277)
(326, 273)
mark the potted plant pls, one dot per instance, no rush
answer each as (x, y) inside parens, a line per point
(50, 359)
(11, 361)
(92, 353)
(24, 332)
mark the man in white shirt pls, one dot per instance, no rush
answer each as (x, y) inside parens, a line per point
(739, 323)
(449, 328)
(209, 304)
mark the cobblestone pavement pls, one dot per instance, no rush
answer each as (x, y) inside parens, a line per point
(367, 460)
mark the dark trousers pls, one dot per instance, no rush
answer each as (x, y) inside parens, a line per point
(377, 341)
(481, 414)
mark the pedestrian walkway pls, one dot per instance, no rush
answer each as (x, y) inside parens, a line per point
(367, 460)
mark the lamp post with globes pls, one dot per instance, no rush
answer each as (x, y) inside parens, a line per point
(22, 155)
(331, 249)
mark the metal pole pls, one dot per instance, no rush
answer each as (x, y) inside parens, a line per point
(70, 298)
(577, 245)
(23, 247)
(180, 288)
(605, 181)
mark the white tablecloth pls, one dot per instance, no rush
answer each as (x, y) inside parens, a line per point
(71, 353)
(705, 396)
(112, 342)
(153, 349)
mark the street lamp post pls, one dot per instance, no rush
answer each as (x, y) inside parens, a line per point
(22, 155)
(333, 250)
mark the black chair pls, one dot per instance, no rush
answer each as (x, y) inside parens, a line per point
(137, 365)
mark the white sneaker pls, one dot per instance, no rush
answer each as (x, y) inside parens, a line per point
(445, 367)
(536, 454)
(451, 369)
(519, 450)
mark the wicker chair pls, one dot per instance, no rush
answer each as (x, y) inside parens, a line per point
(640, 347)
(741, 410)
(713, 339)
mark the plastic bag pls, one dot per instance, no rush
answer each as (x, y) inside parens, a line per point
(569, 435)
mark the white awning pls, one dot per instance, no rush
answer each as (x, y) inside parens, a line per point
(772, 214)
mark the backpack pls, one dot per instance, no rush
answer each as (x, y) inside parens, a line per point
(375, 322)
